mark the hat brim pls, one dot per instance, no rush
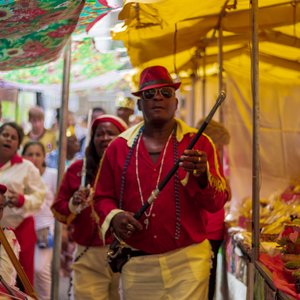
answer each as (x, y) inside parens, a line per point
(153, 86)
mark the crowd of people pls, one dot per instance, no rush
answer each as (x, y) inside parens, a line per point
(111, 170)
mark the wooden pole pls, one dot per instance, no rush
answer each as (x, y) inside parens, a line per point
(204, 84)
(220, 75)
(193, 98)
(255, 145)
(256, 115)
(221, 67)
(63, 117)
(18, 267)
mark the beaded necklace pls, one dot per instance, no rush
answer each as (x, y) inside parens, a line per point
(147, 215)
(176, 179)
(125, 167)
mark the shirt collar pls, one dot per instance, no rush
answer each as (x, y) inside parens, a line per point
(16, 159)
(182, 129)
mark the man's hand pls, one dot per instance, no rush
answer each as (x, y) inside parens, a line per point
(194, 161)
(124, 224)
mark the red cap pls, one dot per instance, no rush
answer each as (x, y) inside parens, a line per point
(118, 122)
(3, 188)
(155, 77)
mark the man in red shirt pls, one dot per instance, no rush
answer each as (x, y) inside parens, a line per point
(171, 253)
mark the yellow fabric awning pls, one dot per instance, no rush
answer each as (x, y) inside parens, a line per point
(175, 33)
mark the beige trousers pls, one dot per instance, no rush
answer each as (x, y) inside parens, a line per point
(182, 274)
(93, 279)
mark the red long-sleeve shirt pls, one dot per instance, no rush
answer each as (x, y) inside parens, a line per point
(85, 229)
(159, 237)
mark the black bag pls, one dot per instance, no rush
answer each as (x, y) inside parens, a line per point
(117, 257)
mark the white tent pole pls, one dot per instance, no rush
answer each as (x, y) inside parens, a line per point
(63, 117)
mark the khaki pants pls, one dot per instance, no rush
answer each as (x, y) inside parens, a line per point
(93, 279)
(182, 274)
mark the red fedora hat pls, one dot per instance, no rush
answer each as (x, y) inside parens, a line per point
(155, 77)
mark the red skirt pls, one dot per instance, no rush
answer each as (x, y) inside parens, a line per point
(26, 237)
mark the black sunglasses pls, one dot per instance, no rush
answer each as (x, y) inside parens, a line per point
(166, 92)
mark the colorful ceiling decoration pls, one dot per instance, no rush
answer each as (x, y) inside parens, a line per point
(93, 11)
(87, 63)
(22, 17)
(34, 32)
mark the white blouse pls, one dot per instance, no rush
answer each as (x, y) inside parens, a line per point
(24, 178)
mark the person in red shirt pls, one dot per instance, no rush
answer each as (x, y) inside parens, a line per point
(72, 205)
(170, 255)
